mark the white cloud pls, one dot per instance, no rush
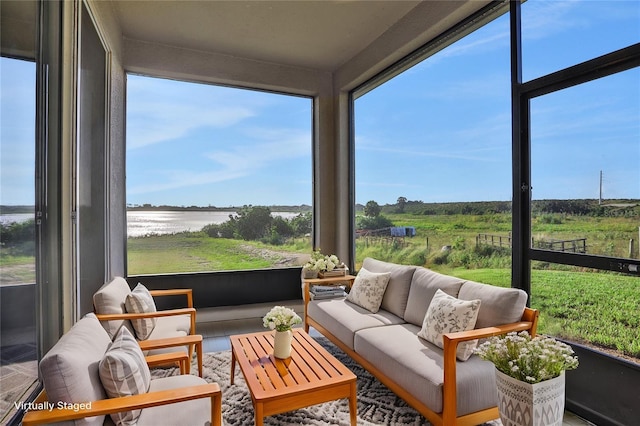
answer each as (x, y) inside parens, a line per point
(255, 155)
(152, 123)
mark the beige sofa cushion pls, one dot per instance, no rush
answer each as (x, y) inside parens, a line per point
(343, 319)
(499, 305)
(397, 292)
(110, 299)
(69, 370)
(424, 285)
(417, 366)
(192, 413)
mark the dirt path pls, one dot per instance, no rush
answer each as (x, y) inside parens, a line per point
(280, 258)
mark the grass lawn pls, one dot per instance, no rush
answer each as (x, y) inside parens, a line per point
(600, 308)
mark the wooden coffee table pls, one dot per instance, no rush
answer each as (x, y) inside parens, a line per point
(310, 376)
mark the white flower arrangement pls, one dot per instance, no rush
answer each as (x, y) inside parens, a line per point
(530, 360)
(321, 262)
(281, 318)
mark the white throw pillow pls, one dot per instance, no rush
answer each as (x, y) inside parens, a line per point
(137, 302)
(446, 314)
(124, 372)
(368, 289)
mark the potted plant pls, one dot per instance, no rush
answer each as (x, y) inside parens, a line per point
(281, 319)
(529, 377)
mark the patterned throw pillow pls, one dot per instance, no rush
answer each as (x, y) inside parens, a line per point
(368, 289)
(446, 314)
(137, 302)
(124, 372)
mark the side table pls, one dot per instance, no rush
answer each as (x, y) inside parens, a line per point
(308, 282)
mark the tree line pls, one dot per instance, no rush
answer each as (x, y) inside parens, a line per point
(580, 207)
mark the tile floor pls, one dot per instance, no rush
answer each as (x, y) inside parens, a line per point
(216, 338)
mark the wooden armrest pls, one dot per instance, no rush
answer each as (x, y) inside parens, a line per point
(157, 314)
(481, 333)
(170, 342)
(181, 358)
(127, 403)
(175, 292)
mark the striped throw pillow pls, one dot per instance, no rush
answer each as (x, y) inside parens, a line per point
(140, 301)
(124, 372)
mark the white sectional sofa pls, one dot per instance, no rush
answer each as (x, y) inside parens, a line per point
(444, 389)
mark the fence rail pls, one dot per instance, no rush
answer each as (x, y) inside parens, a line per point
(494, 240)
(577, 245)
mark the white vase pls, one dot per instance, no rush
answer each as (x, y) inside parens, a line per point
(282, 344)
(526, 404)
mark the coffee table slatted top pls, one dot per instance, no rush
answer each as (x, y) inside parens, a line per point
(309, 367)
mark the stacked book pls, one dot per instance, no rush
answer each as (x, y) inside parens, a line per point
(327, 291)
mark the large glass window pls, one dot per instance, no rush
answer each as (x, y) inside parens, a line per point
(585, 171)
(218, 178)
(585, 156)
(433, 152)
(18, 339)
(433, 155)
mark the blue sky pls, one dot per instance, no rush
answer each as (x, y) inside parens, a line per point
(439, 132)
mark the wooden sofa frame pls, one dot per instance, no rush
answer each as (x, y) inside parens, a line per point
(448, 417)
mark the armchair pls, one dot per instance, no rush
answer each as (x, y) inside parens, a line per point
(74, 389)
(158, 331)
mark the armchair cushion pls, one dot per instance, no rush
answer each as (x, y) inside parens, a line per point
(124, 372)
(196, 412)
(140, 301)
(110, 299)
(69, 370)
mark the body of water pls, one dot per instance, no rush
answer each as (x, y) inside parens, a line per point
(141, 223)
(16, 217)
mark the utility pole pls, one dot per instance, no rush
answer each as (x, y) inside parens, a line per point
(600, 198)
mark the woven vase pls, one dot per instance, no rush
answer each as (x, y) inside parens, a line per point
(526, 404)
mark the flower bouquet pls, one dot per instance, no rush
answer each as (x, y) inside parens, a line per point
(528, 359)
(324, 265)
(280, 318)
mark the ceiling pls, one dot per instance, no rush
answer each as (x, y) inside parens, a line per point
(320, 35)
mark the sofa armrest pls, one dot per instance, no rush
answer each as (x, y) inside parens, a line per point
(127, 403)
(529, 322)
(175, 292)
